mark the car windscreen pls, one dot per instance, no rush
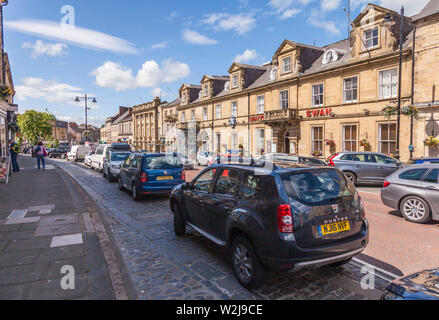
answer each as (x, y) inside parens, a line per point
(317, 186)
(161, 162)
(119, 156)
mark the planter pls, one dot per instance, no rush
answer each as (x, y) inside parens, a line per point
(431, 142)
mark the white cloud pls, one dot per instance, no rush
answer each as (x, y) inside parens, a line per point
(329, 5)
(49, 90)
(316, 19)
(247, 56)
(159, 45)
(115, 76)
(194, 37)
(40, 48)
(290, 13)
(240, 23)
(78, 36)
(172, 15)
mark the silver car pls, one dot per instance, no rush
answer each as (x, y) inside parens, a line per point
(360, 167)
(414, 191)
(111, 167)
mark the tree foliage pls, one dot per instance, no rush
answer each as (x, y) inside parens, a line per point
(35, 126)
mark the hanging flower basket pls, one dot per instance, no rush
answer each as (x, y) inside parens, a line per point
(410, 111)
(364, 143)
(330, 143)
(6, 92)
(431, 141)
(389, 111)
(317, 153)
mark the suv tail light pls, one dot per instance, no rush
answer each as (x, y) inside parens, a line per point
(183, 176)
(386, 184)
(284, 218)
(329, 160)
(143, 177)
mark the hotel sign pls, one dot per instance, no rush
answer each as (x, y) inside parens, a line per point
(318, 113)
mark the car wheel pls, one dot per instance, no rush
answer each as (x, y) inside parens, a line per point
(179, 224)
(134, 194)
(415, 209)
(351, 176)
(110, 177)
(340, 263)
(246, 265)
(104, 174)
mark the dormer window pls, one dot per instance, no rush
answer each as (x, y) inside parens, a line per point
(286, 65)
(200, 95)
(371, 38)
(183, 97)
(273, 74)
(206, 90)
(227, 86)
(235, 81)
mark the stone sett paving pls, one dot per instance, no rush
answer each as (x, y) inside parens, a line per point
(163, 266)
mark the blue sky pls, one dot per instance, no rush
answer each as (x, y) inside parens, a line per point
(125, 52)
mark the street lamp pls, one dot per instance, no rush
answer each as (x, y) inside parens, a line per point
(3, 3)
(86, 98)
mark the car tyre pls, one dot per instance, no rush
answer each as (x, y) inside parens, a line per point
(351, 176)
(104, 174)
(246, 265)
(119, 184)
(134, 194)
(340, 263)
(415, 209)
(179, 224)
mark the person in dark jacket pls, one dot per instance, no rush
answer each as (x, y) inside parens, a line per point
(14, 151)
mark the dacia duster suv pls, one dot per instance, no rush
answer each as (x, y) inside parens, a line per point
(285, 217)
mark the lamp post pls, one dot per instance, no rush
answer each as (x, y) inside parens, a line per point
(86, 98)
(3, 3)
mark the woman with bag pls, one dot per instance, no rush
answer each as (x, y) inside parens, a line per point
(41, 154)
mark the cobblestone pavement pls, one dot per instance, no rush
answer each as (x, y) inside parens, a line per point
(163, 266)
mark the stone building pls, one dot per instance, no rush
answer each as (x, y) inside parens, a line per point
(7, 107)
(60, 130)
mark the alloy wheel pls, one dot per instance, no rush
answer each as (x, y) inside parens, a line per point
(243, 262)
(414, 209)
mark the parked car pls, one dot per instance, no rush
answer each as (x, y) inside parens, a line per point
(423, 160)
(280, 157)
(102, 152)
(111, 169)
(423, 285)
(77, 153)
(148, 174)
(414, 191)
(87, 158)
(58, 152)
(364, 167)
(279, 219)
(187, 162)
(204, 157)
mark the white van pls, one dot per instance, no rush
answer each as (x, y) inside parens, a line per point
(102, 152)
(77, 153)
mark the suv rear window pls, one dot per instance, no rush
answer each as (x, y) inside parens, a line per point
(161, 162)
(119, 156)
(317, 186)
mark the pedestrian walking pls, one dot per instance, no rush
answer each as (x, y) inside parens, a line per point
(41, 154)
(14, 151)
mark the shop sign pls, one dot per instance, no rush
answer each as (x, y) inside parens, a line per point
(257, 118)
(316, 113)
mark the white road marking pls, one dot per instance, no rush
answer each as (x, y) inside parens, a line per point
(67, 240)
(391, 275)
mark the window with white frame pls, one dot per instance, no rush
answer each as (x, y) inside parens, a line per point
(218, 111)
(235, 81)
(205, 113)
(183, 116)
(206, 90)
(317, 95)
(388, 83)
(317, 139)
(192, 115)
(234, 108)
(183, 97)
(260, 140)
(283, 99)
(286, 64)
(350, 137)
(371, 37)
(350, 89)
(260, 104)
(387, 138)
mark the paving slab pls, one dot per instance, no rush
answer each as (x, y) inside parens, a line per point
(22, 220)
(19, 258)
(14, 292)
(44, 231)
(59, 220)
(17, 214)
(51, 289)
(43, 207)
(60, 253)
(67, 240)
(26, 244)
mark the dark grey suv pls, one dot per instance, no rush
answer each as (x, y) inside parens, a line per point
(363, 167)
(277, 219)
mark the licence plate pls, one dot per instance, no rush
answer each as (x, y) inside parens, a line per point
(333, 228)
(165, 178)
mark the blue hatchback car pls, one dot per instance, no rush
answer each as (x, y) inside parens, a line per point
(423, 160)
(148, 174)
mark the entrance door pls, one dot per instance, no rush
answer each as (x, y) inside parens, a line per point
(287, 143)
